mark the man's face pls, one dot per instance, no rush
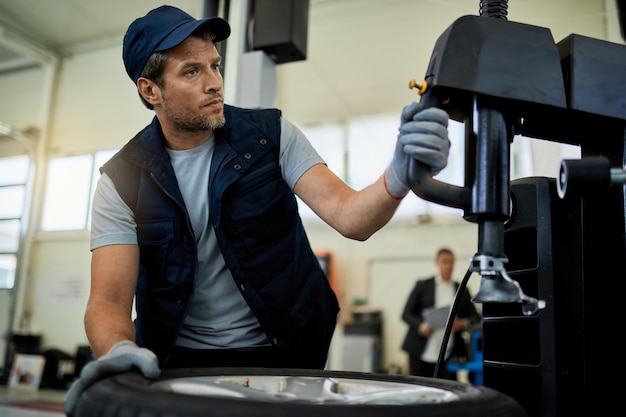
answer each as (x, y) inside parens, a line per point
(445, 263)
(192, 92)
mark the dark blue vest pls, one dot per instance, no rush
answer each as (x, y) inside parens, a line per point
(255, 217)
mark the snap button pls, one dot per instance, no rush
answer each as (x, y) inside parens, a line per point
(248, 155)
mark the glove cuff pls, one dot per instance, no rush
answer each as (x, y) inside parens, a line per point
(396, 189)
(121, 345)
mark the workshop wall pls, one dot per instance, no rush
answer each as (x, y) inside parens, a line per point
(382, 271)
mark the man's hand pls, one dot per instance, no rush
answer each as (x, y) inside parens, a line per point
(122, 357)
(425, 330)
(423, 136)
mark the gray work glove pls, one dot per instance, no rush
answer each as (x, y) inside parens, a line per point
(122, 357)
(423, 135)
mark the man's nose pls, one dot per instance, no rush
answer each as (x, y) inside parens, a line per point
(213, 81)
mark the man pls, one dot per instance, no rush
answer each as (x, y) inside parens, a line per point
(196, 220)
(424, 338)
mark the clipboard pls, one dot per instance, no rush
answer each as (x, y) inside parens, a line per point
(436, 317)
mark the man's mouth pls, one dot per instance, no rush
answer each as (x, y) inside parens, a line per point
(217, 102)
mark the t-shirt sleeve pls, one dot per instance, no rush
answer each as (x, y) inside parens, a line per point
(297, 155)
(112, 221)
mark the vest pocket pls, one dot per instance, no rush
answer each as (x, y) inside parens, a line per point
(255, 193)
(155, 238)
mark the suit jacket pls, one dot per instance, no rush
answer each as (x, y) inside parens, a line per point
(423, 296)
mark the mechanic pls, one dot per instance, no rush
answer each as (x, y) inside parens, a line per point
(195, 219)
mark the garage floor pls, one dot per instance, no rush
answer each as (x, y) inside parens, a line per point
(42, 403)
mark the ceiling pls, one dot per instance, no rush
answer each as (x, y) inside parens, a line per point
(61, 25)
(361, 53)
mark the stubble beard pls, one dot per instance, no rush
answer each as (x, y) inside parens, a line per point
(189, 121)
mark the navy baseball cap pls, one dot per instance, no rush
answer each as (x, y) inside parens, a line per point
(163, 28)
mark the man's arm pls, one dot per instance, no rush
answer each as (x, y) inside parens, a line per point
(354, 214)
(114, 270)
(412, 309)
(108, 322)
(423, 137)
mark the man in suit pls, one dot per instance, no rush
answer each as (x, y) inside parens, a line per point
(423, 339)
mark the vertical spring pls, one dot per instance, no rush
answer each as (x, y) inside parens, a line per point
(494, 8)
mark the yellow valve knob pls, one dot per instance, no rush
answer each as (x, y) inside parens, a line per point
(421, 87)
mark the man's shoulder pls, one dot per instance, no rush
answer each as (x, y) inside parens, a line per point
(425, 281)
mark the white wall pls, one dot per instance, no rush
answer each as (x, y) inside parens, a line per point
(383, 269)
(57, 290)
(97, 106)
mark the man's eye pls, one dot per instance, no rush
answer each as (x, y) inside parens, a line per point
(216, 67)
(192, 71)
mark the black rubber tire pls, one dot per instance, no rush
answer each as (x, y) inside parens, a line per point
(132, 395)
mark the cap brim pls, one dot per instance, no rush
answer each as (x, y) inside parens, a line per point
(216, 25)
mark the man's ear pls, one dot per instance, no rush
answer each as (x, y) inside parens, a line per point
(149, 90)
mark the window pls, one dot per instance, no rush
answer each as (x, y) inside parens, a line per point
(70, 185)
(8, 265)
(66, 202)
(13, 178)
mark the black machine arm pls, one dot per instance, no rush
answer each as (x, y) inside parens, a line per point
(490, 93)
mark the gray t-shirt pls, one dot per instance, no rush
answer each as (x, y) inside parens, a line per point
(218, 316)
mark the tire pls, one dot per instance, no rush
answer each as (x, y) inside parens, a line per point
(132, 395)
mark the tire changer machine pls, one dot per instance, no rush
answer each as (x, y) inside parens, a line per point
(551, 252)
